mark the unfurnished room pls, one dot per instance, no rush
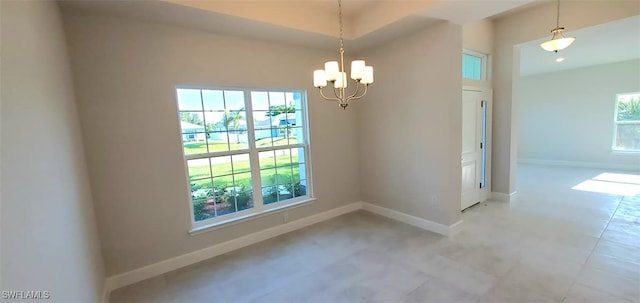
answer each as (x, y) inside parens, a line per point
(320, 151)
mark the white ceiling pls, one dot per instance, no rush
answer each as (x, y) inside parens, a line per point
(304, 22)
(606, 43)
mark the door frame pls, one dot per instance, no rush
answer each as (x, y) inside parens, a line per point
(485, 192)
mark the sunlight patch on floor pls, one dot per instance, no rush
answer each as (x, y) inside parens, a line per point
(612, 183)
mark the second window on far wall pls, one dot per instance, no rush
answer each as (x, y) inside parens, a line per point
(626, 133)
(246, 150)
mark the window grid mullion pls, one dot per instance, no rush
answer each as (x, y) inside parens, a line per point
(277, 147)
(217, 154)
(254, 159)
(291, 169)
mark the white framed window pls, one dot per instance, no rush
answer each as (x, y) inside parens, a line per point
(246, 151)
(626, 130)
(474, 65)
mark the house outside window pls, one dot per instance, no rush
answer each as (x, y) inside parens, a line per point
(626, 131)
(246, 150)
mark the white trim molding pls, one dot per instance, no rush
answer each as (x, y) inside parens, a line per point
(156, 269)
(413, 220)
(581, 164)
(502, 197)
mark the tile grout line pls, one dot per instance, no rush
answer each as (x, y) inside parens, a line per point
(593, 250)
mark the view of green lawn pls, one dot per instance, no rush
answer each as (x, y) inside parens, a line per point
(287, 167)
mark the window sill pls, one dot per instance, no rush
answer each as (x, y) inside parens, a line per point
(248, 217)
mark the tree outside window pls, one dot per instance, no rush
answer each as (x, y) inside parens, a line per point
(627, 123)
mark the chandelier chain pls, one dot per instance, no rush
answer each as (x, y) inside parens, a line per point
(335, 74)
(340, 17)
(558, 15)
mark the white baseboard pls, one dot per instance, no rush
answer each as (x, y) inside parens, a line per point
(502, 197)
(413, 220)
(455, 228)
(162, 267)
(581, 164)
(168, 265)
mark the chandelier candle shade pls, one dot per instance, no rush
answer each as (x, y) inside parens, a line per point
(558, 40)
(334, 72)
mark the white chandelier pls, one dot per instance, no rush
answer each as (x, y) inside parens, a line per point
(334, 72)
(558, 40)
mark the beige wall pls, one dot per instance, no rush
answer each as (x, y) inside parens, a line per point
(568, 115)
(49, 237)
(409, 125)
(522, 26)
(126, 72)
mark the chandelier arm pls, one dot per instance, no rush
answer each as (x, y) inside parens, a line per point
(327, 98)
(356, 92)
(338, 92)
(366, 86)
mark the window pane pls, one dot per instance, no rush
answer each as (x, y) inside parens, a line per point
(224, 195)
(299, 168)
(217, 142)
(243, 182)
(264, 142)
(628, 108)
(234, 100)
(270, 194)
(471, 67)
(628, 137)
(244, 200)
(241, 163)
(213, 100)
(260, 101)
(237, 124)
(295, 119)
(215, 121)
(267, 160)
(276, 99)
(284, 175)
(283, 157)
(268, 177)
(303, 187)
(286, 192)
(201, 188)
(221, 166)
(261, 120)
(296, 135)
(189, 99)
(297, 97)
(203, 208)
(199, 169)
(191, 122)
(192, 147)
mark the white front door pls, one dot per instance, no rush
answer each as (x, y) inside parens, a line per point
(474, 134)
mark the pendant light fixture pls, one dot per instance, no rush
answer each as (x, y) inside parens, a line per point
(558, 40)
(334, 72)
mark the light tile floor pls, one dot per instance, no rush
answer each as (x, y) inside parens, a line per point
(553, 244)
